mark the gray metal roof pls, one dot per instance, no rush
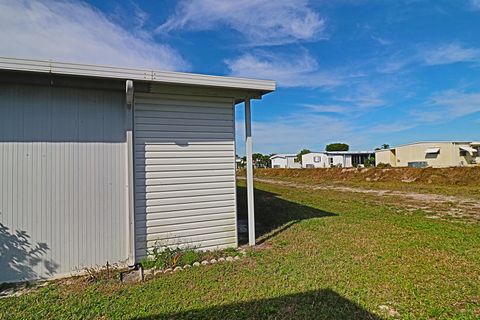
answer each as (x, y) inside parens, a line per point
(283, 155)
(154, 76)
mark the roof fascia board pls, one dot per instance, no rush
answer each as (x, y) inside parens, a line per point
(264, 86)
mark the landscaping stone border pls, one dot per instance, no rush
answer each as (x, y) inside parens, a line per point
(152, 272)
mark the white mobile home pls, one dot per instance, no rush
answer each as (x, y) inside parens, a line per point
(99, 164)
(284, 161)
(329, 159)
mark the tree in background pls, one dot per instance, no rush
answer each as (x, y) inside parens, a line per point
(384, 146)
(369, 162)
(337, 147)
(299, 155)
(261, 160)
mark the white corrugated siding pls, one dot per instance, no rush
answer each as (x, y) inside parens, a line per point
(62, 180)
(184, 172)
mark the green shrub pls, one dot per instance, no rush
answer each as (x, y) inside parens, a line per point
(230, 252)
(370, 162)
(189, 256)
(384, 165)
(147, 263)
(166, 257)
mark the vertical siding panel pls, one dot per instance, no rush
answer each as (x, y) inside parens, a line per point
(15, 191)
(76, 202)
(62, 175)
(114, 190)
(104, 190)
(3, 217)
(112, 168)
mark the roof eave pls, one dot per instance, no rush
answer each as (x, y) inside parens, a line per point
(153, 76)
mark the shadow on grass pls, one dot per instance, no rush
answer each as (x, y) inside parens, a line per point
(317, 304)
(272, 213)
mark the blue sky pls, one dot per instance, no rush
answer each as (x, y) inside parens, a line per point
(361, 72)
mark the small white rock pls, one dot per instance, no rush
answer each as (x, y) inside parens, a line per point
(148, 272)
(391, 312)
(213, 261)
(196, 264)
(229, 259)
(187, 266)
(394, 313)
(148, 276)
(221, 259)
(204, 262)
(167, 270)
(177, 269)
(236, 258)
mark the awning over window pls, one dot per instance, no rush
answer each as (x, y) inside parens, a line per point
(468, 149)
(432, 150)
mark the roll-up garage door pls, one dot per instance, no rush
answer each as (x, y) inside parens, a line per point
(184, 172)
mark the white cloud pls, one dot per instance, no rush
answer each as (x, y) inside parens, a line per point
(326, 108)
(77, 32)
(380, 40)
(450, 53)
(298, 70)
(394, 66)
(368, 99)
(261, 22)
(363, 99)
(447, 106)
(443, 54)
(390, 127)
(475, 4)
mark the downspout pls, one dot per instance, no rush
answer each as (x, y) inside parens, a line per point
(130, 198)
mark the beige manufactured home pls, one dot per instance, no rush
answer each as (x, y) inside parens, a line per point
(100, 164)
(437, 154)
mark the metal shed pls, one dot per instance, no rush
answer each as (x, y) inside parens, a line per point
(98, 164)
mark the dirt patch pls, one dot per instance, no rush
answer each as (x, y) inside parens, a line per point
(438, 206)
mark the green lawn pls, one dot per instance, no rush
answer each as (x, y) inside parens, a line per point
(322, 255)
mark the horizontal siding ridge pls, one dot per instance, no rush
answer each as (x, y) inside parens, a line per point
(225, 208)
(211, 231)
(189, 227)
(170, 207)
(187, 219)
(183, 194)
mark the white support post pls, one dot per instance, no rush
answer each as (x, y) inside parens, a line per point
(249, 150)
